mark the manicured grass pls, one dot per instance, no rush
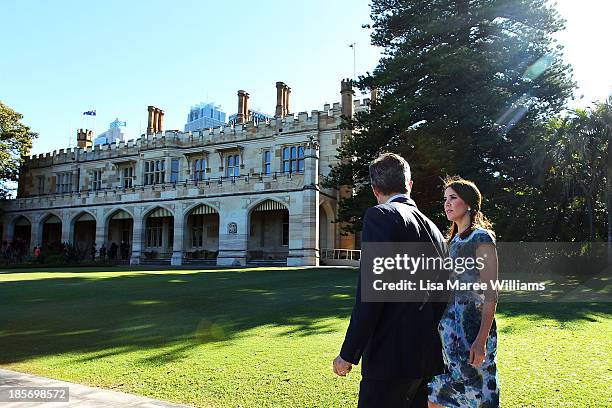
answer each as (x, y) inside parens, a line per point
(261, 337)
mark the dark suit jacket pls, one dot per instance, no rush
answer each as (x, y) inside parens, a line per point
(396, 340)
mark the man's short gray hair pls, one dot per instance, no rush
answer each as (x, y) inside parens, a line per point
(390, 174)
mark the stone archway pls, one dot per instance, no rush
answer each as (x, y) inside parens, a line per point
(268, 237)
(51, 231)
(327, 228)
(158, 233)
(84, 232)
(201, 234)
(120, 226)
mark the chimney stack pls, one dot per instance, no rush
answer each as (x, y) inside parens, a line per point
(84, 138)
(243, 107)
(347, 92)
(373, 96)
(282, 100)
(155, 120)
(160, 120)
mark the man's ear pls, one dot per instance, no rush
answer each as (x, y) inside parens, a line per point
(409, 186)
(375, 191)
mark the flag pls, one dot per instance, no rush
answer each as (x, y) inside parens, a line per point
(90, 113)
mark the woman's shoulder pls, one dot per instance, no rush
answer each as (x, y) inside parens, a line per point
(482, 235)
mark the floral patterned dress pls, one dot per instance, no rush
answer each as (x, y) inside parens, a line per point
(464, 385)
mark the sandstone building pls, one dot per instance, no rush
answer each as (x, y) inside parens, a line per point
(229, 195)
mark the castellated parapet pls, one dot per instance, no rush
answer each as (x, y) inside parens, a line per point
(328, 118)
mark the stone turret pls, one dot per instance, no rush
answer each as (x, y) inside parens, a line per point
(84, 138)
(347, 93)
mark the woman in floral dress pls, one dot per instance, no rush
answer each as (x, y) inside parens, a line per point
(467, 329)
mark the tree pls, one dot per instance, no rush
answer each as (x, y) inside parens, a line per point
(577, 173)
(464, 87)
(15, 143)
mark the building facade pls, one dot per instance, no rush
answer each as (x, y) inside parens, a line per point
(231, 195)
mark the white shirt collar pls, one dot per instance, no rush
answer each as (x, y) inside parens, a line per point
(393, 197)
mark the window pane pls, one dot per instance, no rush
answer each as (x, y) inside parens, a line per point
(293, 152)
(230, 161)
(286, 167)
(301, 151)
(286, 153)
(237, 160)
(301, 165)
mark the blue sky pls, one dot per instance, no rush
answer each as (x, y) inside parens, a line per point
(62, 58)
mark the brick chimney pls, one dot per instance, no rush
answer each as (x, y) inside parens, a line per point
(243, 107)
(150, 120)
(84, 138)
(282, 99)
(160, 120)
(155, 121)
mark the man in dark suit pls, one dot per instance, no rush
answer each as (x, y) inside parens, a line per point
(398, 342)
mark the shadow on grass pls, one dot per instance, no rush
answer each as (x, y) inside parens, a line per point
(561, 312)
(172, 312)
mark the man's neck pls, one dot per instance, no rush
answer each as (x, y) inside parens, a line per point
(383, 199)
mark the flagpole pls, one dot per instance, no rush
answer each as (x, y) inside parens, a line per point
(354, 46)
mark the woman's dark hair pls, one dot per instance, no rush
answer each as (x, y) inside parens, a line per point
(469, 193)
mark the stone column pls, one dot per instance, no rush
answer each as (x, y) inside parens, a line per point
(35, 232)
(138, 175)
(167, 168)
(304, 250)
(137, 236)
(8, 230)
(232, 241)
(165, 234)
(177, 248)
(101, 229)
(67, 229)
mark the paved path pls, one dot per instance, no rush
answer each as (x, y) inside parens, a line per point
(79, 395)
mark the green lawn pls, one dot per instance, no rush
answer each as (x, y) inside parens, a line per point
(261, 337)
